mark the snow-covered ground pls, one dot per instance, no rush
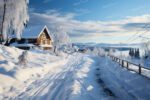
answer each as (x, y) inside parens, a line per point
(48, 77)
(14, 77)
(134, 62)
(67, 77)
(127, 85)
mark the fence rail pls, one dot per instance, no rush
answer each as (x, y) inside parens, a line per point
(138, 68)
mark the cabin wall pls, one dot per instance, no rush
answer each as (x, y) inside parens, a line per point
(44, 39)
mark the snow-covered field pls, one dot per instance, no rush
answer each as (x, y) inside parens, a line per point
(67, 77)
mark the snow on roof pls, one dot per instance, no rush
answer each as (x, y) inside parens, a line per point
(34, 32)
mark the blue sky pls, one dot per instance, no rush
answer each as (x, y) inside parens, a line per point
(101, 21)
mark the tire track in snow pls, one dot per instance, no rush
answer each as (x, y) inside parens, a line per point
(37, 86)
(59, 90)
(55, 83)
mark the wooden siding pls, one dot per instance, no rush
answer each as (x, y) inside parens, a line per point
(44, 39)
(41, 40)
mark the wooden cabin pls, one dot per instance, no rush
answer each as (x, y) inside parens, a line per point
(34, 37)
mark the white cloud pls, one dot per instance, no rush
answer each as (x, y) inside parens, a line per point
(81, 11)
(80, 2)
(46, 1)
(109, 5)
(91, 31)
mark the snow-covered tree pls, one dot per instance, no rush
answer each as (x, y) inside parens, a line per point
(60, 38)
(146, 47)
(96, 51)
(111, 52)
(13, 17)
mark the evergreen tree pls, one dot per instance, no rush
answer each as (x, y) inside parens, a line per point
(130, 51)
(137, 53)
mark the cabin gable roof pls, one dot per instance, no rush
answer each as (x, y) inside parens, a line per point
(35, 32)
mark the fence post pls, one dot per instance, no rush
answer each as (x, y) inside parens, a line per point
(139, 68)
(127, 65)
(122, 63)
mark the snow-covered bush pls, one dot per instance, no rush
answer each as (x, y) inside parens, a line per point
(75, 48)
(111, 51)
(67, 48)
(146, 47)
(88, 51)
(101, 52)
(13, 18)
(23, 58)
(60, 38)
(96, 51)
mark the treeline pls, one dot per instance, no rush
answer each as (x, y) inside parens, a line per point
(133, 52)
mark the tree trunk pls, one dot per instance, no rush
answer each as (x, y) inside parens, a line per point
(3, 20)
(55, 49)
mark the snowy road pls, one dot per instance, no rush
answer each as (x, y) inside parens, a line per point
(73, 81)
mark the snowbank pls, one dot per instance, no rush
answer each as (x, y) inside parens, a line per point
(15, 77)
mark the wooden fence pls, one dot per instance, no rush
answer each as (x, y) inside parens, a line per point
(138, 68)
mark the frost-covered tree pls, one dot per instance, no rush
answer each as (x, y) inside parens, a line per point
(60, 38)
(13, 17)
(146, 47)
(111, 52)
(96, 51)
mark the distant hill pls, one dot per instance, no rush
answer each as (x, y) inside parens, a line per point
(106, 45)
